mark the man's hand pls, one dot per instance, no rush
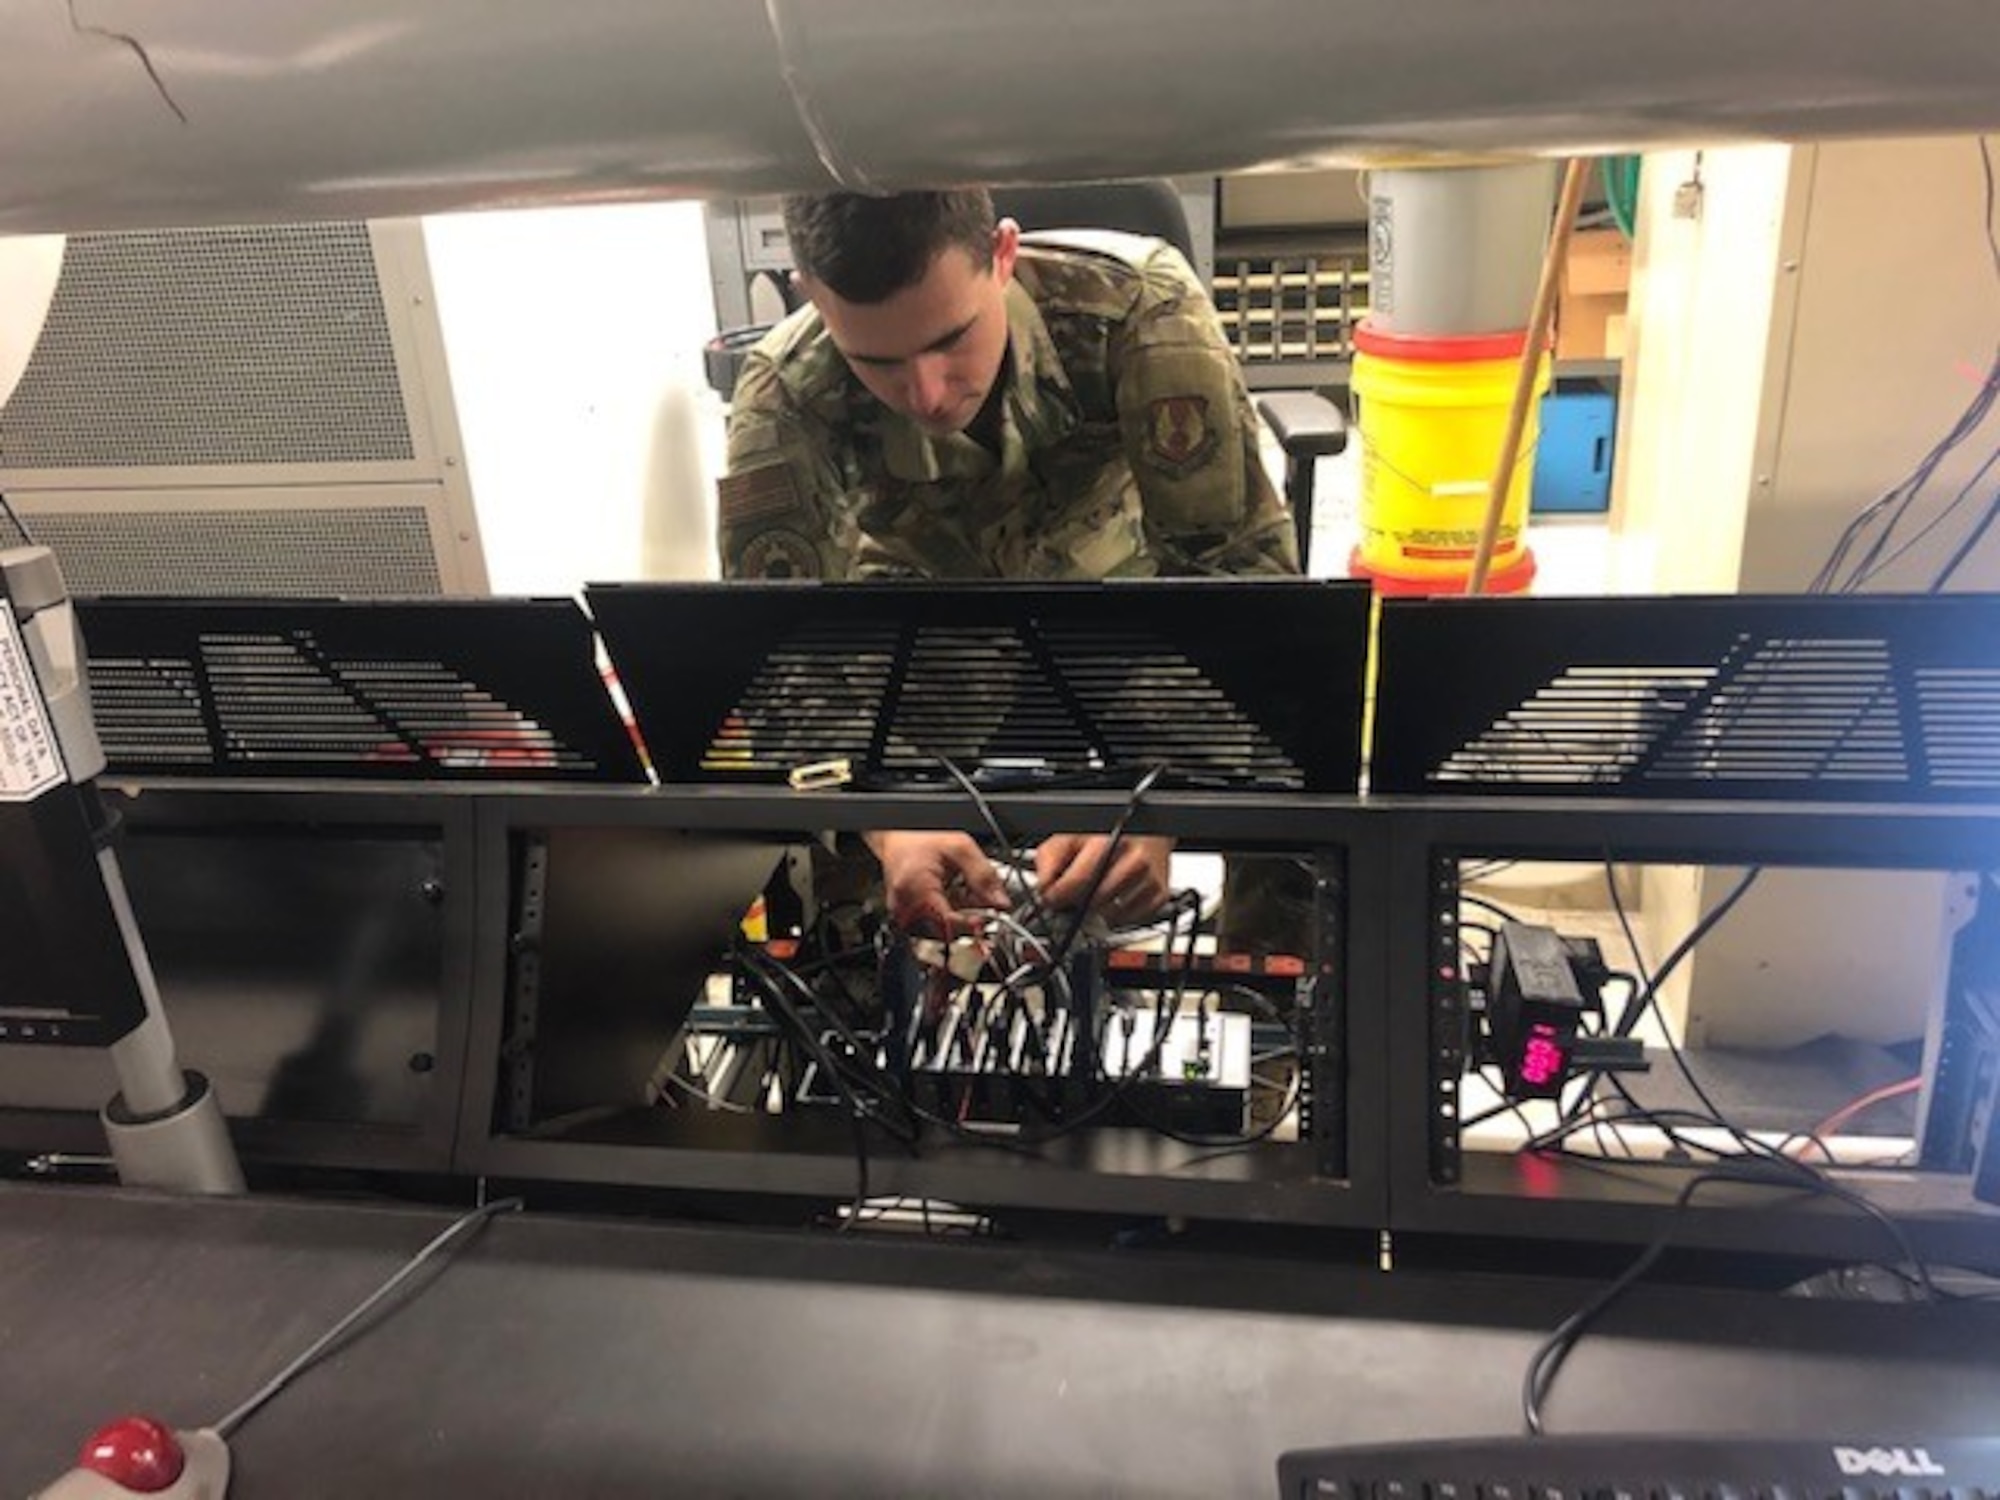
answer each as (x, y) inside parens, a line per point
(1133, 888)
(932, 879)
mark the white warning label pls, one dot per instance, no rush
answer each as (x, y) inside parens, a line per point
(29, 761)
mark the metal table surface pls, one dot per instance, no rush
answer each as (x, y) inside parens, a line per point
(567, 1356)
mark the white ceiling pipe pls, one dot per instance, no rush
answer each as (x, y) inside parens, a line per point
(131, 113)
(29, 268)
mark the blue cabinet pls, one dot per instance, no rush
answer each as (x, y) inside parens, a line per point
(1573, 458)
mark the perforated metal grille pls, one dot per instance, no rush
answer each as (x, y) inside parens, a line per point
(149, 711)
(1149, 702)
(280, 700)
(180, 348)
(372, 552)
(455, 689)
(899, 698)
(1591, 725)
(1847, 699)
(1960, 710)
(1796, 710)
(976, 694)
(1235, 684)
(815, 698)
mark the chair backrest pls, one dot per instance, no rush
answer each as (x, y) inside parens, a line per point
(1144, 205)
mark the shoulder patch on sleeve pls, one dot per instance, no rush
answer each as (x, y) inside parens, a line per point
(1181, 436)
(779, 553)
(764, 525)
(755, 495)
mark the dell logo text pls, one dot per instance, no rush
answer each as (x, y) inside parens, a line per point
(1910, 1463)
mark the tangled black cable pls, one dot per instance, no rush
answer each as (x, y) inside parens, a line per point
(1548, 1358)
(1889, 510)
(770, 978)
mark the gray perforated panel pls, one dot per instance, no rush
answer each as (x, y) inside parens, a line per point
(354, 552)
(189, 348)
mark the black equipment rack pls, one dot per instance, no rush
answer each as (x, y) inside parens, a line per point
(1823, 733)
(1830, 733)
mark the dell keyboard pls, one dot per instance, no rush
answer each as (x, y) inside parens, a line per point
(1649, 1468)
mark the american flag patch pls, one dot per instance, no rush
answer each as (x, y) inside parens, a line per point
(758, 495)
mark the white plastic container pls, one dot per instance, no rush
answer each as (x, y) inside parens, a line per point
(1454, 251)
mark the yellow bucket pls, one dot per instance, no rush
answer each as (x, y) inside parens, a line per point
(1433, 414)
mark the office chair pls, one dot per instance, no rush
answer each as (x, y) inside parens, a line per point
(1145, 205)
(1308, 427)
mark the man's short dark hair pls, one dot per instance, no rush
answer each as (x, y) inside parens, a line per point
(868, 249)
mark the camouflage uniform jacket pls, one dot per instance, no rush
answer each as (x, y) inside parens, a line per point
(1127, 444)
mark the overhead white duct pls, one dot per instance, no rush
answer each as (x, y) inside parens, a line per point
(125, 113)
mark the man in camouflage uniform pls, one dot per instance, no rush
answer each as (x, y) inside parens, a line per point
(962, 402)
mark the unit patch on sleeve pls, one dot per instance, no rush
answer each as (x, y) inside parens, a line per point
(1180, 438)
(778, 553)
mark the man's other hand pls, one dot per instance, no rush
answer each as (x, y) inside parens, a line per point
(933, 879)
(1133, 888)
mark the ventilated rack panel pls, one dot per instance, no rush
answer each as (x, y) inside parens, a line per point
(193, 347)
(467, 689)
(1235, 684)
(1797, 698)
(313, 546)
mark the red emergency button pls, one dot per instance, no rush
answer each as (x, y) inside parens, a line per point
(137, 1452)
